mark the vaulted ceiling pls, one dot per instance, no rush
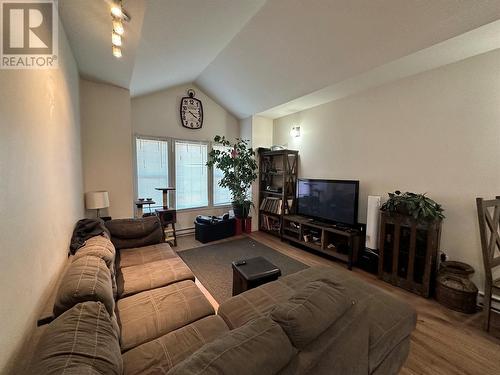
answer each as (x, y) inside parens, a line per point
(254, 55)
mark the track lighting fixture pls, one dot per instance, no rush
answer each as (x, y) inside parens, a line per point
(117, 52)
(117, 11)
(118, 15)
(118, 27)
(116, 39)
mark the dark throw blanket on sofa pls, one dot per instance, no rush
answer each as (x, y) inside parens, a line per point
(85, 229)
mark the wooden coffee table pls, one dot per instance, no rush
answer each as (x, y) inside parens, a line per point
(250, 273)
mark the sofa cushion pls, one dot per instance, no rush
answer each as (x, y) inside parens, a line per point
(259, 347)
(168, 350)
(130, 233)
(392, 322)
(148, 315)
(80, 341)
(101, 247)
(391, 319)
(146, 254)
(86, 279)
(254, 303)
(135, 279)
(310, 311)
(98, 246)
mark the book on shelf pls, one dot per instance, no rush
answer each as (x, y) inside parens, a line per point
(272, 204)
(275, 205)
(270, 223)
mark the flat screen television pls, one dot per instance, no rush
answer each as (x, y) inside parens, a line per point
(334, 201)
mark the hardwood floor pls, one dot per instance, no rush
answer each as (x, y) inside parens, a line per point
(444, 342)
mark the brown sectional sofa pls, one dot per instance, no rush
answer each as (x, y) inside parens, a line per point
(137, 310)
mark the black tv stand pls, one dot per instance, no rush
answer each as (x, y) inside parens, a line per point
(338, 241)
(330, 225)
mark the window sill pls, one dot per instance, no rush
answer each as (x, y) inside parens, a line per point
(204, 208)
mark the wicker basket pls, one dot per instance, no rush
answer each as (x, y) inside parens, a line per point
(457, 268)
(456, 293)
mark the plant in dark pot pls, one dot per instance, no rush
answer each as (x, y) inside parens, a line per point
(418, 206)
(237, 163)
(410, 228)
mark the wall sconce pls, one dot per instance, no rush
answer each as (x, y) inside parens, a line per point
(295, 132)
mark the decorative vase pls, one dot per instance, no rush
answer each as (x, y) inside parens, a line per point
(454, 289)
(241, 210)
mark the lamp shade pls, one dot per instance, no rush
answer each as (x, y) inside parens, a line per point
(96, 200)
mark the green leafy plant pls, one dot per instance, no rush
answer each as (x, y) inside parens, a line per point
(240, 171)
(419, 206)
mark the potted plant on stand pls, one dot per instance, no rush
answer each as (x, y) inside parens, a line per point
(239, 167)
(410, 228)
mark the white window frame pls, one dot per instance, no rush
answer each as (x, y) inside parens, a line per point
(172, 172)
(213, 178)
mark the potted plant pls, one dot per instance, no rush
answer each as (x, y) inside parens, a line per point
(418, 206)
(410, 227)
(240, 171)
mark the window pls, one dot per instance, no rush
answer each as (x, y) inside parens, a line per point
(152, 168)
(191, 174)
(222, 196)
(169, 162)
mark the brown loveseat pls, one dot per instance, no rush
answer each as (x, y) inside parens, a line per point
(136, 310)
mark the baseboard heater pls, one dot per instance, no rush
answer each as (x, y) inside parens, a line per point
(495, 302)
(185, 232)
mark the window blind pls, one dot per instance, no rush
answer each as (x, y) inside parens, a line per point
(191, 174)
(152, 168)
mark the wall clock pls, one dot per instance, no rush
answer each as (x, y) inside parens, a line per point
(191, 111)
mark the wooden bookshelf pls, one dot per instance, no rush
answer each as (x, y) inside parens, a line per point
(277, 188)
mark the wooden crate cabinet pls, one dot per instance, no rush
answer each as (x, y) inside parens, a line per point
(408, 252)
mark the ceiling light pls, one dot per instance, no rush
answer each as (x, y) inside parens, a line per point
(117, 52)
(118, 16)
(118, 11)
(116, 39)
(118, 27)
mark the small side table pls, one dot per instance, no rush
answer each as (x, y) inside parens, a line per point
(250, 273)
(139, 204)
(168, 218)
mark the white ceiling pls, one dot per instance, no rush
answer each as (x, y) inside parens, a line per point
(88, 26)
(252, 56)
(472, 43)
(180, 38)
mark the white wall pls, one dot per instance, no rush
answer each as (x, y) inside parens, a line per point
(436, 132)
(41, 186)
(262, 132)
(157, 114)
(246, 129)
(107, 145)
(262, 136)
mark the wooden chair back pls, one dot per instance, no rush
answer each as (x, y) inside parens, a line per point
(489, 226)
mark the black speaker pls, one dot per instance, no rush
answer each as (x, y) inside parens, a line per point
(368, 260)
